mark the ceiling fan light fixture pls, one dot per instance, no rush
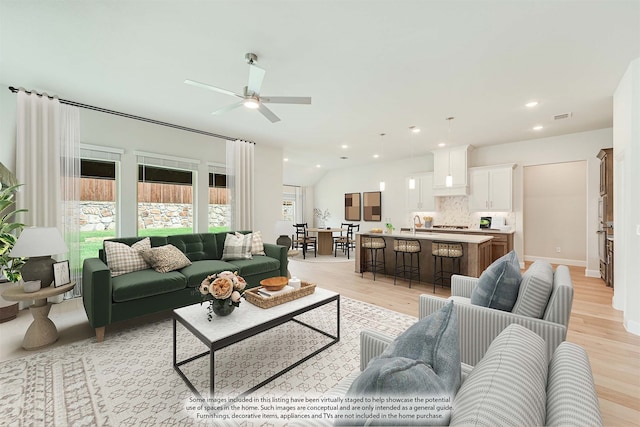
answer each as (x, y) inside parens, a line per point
(251, 103)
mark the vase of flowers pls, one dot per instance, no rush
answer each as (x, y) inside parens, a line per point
(322, 216)
(223, 291)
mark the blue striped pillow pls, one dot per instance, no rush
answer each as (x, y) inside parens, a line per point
(499, 284)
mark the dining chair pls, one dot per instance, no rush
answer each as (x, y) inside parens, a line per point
(303, 241)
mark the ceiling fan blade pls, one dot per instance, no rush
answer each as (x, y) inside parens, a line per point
(286, 99)
(256, 75)
(213, 88)
(228, 108)
(268, 113)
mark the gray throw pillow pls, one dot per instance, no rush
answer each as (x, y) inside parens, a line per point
(498, 284)
(422, 362)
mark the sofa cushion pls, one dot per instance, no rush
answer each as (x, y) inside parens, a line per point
(164, 259)
(146, 283)
(508, 386)
(257, 245)
(256, 265)
(196, 246)
(198, 270)
(122, 258)
(535, 289)
(498, 285)
(423, 361)
(237, 246)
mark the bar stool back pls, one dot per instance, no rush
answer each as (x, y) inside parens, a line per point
(407, 247)
(373, 245)
(445, 251)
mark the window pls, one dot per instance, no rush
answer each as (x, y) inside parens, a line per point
(292, 203)
(165, 195)
(98, 209)
(219, 208)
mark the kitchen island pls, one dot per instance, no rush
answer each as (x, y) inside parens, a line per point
(476, 251)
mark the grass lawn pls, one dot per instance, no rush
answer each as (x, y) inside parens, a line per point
(91, 241)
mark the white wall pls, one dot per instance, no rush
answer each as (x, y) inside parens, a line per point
(584, 146)
(626, 205)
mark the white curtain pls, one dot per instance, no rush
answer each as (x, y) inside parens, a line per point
(48, 164)
(240, 183)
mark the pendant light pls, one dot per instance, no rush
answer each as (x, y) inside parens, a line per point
(412, 180)
(382, 184)
(448, 181)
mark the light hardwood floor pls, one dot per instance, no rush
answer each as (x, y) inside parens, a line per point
(614, 353)
(595, 325)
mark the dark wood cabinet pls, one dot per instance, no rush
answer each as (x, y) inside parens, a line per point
(609, 275)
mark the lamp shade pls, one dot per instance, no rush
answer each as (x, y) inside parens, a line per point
(39, 241)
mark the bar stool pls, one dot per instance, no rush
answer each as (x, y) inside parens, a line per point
(410, 248)
(440, 252)
(373, 245)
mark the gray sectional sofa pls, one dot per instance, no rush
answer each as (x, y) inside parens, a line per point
(110, 299)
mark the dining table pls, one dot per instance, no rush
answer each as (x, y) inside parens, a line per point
(325, 238)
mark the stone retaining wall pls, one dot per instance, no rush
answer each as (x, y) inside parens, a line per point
(98, 216)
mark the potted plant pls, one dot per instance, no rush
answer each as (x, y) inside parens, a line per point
(8, 229)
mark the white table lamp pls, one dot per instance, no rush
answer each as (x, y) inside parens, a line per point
(38, 244)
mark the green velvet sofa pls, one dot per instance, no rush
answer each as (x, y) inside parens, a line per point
(111, 299)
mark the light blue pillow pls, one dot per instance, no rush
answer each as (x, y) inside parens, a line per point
(498, 284)
(423, 361)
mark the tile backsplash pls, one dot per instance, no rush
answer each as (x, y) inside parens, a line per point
(454, 210)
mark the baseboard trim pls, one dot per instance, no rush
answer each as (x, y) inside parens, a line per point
(632, 327)
(563, 261)
(592, 273)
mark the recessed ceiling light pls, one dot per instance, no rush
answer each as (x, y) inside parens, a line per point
(343, 157)
(318, 166)
(375, 156)
(414, 129)
(345, 146)
(538, 127)
(442, 144)
(285, 159)
(531, 104)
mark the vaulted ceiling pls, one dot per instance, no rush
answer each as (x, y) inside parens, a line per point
(371, 67)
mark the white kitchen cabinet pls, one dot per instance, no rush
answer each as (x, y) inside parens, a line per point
(421, 199)
(491, 188)
(451, 161)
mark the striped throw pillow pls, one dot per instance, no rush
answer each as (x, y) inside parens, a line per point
(535, 290)
(237, 247)
(122, 258)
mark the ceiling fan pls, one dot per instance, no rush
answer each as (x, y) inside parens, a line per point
(251, 96)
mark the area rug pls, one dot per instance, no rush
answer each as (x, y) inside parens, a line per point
(129, 380)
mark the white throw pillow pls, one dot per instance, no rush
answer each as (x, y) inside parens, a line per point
(122, 258)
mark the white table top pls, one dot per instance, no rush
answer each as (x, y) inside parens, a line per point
(244, 317)
(445, 237)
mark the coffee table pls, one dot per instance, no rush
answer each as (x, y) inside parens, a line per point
(245, 322)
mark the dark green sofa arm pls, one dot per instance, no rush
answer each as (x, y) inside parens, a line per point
(280, 253)
(96, 293)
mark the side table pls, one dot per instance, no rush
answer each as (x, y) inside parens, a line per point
(42, 330)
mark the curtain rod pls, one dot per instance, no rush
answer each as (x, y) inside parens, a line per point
(129, 116)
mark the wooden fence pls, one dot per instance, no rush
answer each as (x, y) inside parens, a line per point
(104, 190)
